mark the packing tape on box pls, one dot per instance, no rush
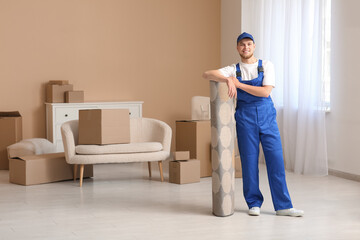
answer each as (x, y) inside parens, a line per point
(222, 149)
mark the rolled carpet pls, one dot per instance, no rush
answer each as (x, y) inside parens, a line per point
(222, 149)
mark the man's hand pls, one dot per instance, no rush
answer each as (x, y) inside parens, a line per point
(216, 75)
(231, 86)
(235, 81)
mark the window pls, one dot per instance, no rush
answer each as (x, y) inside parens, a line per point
(326, 54)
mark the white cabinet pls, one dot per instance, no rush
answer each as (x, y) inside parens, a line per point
(58, 113)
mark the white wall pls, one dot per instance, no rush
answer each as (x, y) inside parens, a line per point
(343, 122)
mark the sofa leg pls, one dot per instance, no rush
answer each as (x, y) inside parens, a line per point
(75, 171)
(81, 174)
(161, 171)
(149, 167)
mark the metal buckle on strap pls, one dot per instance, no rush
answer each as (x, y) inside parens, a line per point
(238, 74)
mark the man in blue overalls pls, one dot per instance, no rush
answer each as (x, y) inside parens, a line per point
(251, 82)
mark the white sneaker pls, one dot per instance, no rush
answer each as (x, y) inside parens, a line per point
(254, 211)
(292, 212)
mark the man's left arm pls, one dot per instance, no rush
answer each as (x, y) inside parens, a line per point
(261, 91)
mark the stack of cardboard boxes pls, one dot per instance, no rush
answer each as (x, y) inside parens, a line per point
(30, 169)
(10, 133)
(195, 136)
(183, 169)
(44, 168)
(192, 157)
(60, 91)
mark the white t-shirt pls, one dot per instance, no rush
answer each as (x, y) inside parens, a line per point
(250, 71)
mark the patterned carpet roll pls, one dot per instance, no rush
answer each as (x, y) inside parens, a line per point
(222, 149)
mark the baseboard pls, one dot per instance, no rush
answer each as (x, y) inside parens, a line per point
(345, 175)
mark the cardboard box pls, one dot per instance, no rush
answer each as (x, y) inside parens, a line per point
(55, 91)
(182, 172)
(238, 169)
(104, 126)
(45, 168)
(195, 136)
(181, 155)
(10, 133)
(59, 82)
(74, 96)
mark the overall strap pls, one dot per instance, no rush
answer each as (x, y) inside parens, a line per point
(238, 72)
(260, 69)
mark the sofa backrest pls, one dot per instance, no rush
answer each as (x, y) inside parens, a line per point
(141, 130)
(136, 129)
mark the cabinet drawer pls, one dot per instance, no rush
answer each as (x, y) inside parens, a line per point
(67, 114)
(134, 112)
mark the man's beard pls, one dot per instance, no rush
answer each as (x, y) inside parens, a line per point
(246, 57)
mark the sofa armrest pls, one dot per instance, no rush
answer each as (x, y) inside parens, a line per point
(69, 133)
(156, 131)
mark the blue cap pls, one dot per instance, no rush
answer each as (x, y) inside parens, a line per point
(245, 35)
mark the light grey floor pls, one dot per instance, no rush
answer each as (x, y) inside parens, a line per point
(120, 202)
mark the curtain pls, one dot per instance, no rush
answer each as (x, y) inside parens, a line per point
(290, 34)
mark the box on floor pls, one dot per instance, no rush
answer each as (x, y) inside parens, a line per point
(182, 172)
(195, 136)
(104, 126)
(181, 155)
(11, 132)
(44, 168)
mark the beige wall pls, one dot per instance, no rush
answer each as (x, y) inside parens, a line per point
(230, 30)
(116, 50)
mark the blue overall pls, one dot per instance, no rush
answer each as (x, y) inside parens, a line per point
(256, 122)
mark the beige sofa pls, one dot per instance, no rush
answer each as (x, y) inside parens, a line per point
(150, 140)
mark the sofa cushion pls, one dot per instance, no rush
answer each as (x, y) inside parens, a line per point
(119, 148)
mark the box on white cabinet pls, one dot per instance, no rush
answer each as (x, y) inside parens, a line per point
(59, 113)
